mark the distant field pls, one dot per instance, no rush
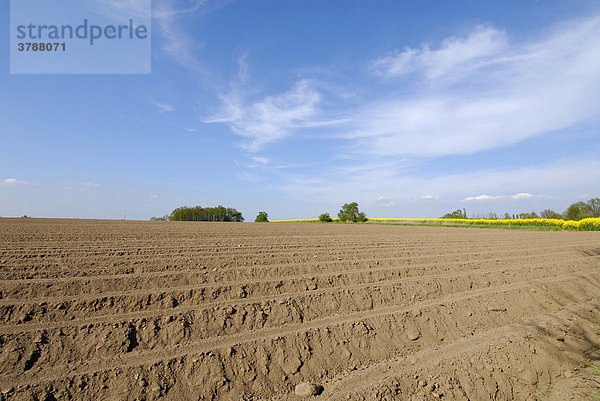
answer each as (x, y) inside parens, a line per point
(591, 224)
(112, 310)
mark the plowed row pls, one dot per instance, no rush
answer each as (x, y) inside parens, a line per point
(150, 310)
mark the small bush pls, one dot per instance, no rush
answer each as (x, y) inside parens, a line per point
(325, 217)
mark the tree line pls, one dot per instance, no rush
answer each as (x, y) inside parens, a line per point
(198, 213)
(576, 211)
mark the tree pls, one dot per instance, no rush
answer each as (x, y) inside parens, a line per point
(262, 217)
(549, 214)
(350, 212)
(325, 217)
(577, 211)
(532, 215)
(594, 207)
(457, 214)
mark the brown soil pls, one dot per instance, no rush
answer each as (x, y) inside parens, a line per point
(110, 310)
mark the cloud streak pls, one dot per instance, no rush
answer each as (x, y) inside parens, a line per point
(270, 119)
(164, 108)
(455, 56)
(14, 182)
(488, 92)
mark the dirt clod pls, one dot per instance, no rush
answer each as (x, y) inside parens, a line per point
(308, 389)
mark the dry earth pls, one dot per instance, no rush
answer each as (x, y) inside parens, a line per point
(109, 310)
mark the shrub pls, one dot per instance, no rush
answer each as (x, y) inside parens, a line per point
(325, 217)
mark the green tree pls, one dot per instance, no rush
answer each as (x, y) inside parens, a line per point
(457, 214)
(577, 211)
(350, 212)
(549, 214)
(197, 213)
(262, 217)
(594, 207)
(532, 215)
(325, 217)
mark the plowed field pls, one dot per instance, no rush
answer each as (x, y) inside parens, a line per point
(111, 310)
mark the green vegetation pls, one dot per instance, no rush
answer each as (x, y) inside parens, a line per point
(549, 214)
(350, 212)
(576, 211)
(163, 218)
(197, 213)
(325, 217)
(262, 217)
(582, 210)
(457, 214)
(595, 372)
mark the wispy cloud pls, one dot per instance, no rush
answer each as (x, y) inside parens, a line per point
(456, 56)
(163, 107)
(168, 15)
(14, 181)
(490, 91)
(261, 160)
(523, 195)
(561, 179)
(82, 185)
(270, 119)
(386, 201)
(429, 197)
(482, 198)
(90, 185)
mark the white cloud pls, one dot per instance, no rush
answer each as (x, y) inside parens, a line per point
(386, 201)
(14, 181)
(271, 118)
(166, 17)
(163, 107)
(482, 198)
(563, 179)
(153, 196)
(501, 92)
(261, 160)
(80, 185)
(454, 56)
(429, 197)
(178, 45)
(90, 185)
(523, 195)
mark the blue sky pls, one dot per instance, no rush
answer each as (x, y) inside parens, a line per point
(411, 109)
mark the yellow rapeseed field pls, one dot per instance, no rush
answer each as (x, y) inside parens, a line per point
(590, 224)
